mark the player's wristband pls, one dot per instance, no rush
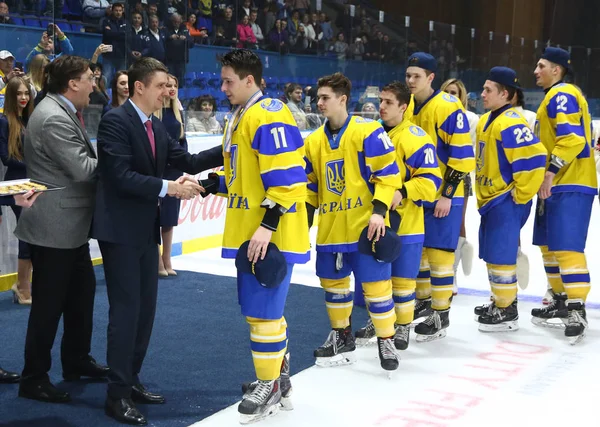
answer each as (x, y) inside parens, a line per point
(211, 184)
(310, 211)
(379, 208)
(272, 214)
(451, 182)
(556, 164)
(404, 193)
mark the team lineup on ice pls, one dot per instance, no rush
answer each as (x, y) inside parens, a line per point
(388, 200)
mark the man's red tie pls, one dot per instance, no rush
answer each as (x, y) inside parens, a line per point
(80, 117)
(151, 137)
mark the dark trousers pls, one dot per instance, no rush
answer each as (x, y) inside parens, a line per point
(63, 284)
(132, 283)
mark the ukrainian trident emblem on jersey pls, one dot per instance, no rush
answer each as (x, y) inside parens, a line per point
(232, 164)
(335, 173)
(479, 159)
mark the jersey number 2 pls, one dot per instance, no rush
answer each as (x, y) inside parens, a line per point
(561, 103)
(279, 137)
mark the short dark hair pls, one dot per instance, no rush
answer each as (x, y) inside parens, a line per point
(292, 88)
(339, 84)
(520, 98)
(64, 69)
(143, 69)
(511, 90)
(244, 63)
(400, 90)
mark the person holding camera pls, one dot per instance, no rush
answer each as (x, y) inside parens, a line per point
(47, 46)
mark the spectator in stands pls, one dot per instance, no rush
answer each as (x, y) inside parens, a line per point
(344, 22)
(100, 50)
(293, 95)
(369, 111)
(35, 73)
(94, 11)
(219, 37)
(99, 96)
(191, 27)
(263, 85)
(116, 33)
(278, 38)
(260, 38)
(229, 27)
(386, 48)
(4, 18)
(119, 89)
(302, 6)
(269, 16)
(18, 106)
(340, 47)
(244, 10)
(356, 50)
(178, 43)
(326, 29)
(172, 117)
(299, 42)
(246, 37)
(202, 118)
(7, 70)
(137, 23)
(141, 7)
(46, 46)
(293, 23)
(154, 40)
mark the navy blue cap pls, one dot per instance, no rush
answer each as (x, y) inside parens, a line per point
(423, 60)
(504, 76)
(386, 249)
(558, 56)
(270, 271)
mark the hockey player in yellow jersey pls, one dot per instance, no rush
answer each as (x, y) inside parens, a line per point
(510, 169)
(566, 195)
(352, 174)
(442, 116)
(415, 154)
(265, 183)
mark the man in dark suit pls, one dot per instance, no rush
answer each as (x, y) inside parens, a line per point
(133, 150)
(57, 227)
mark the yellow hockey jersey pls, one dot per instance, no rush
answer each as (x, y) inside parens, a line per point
(266, 160)
(422, 178)
(443, 117)
(564, 127)
(509, 156)
(345, 173)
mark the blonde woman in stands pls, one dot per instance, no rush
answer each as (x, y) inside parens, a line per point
(172, 118)
(35, 73)
(464, 250)
(18, 106)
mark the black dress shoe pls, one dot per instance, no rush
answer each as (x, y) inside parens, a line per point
(8, 377)
(124, 411)
(44, 391)
(86, 368)
(141, 395)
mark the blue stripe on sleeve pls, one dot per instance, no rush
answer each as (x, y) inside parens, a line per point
(562, 102)
(283, 177)
(456, 123)
(313, 187)
(585, 153)
(390, 169)
(417, 160)
(374, 145)
(563, 129)
(436, 179)
(518, 136)
(442, 151)
(269, 141)
(523, 165)
(464, 152)
(309, 166)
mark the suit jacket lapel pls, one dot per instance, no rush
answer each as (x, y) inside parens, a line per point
(75, 119)
(142, 130)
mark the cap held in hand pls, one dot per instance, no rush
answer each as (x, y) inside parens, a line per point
(269, 272)
(386, 249)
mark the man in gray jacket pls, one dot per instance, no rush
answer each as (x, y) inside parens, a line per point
(58, 151)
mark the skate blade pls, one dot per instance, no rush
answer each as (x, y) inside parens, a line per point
(254, 418)
(577, 339)
(341, 359)
(545, 323)
(365, 342)
(286, 403)
(503, 327)
(429, 338)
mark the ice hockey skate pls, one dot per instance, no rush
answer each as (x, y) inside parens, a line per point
(285, 384)
(553, 315)
(496, 319)
(434, 327)
(576, 322)
(366, 336)
(261, 403)
(337, 350)
(484, 308)
(402, 337)
(547, 299)
(422, 309)
(388, 356)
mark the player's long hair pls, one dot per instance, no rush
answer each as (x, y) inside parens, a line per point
(174, 105)
(16, 121)
(462, 90)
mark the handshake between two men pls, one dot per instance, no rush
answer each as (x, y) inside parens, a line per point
(185, 188)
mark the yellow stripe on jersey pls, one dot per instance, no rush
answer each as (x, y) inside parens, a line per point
(509, 156)
(266, 161)
(564, 127)
(443, 117)
(422, 177)
(345, 174)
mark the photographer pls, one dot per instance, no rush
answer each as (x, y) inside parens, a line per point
(46, 45)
